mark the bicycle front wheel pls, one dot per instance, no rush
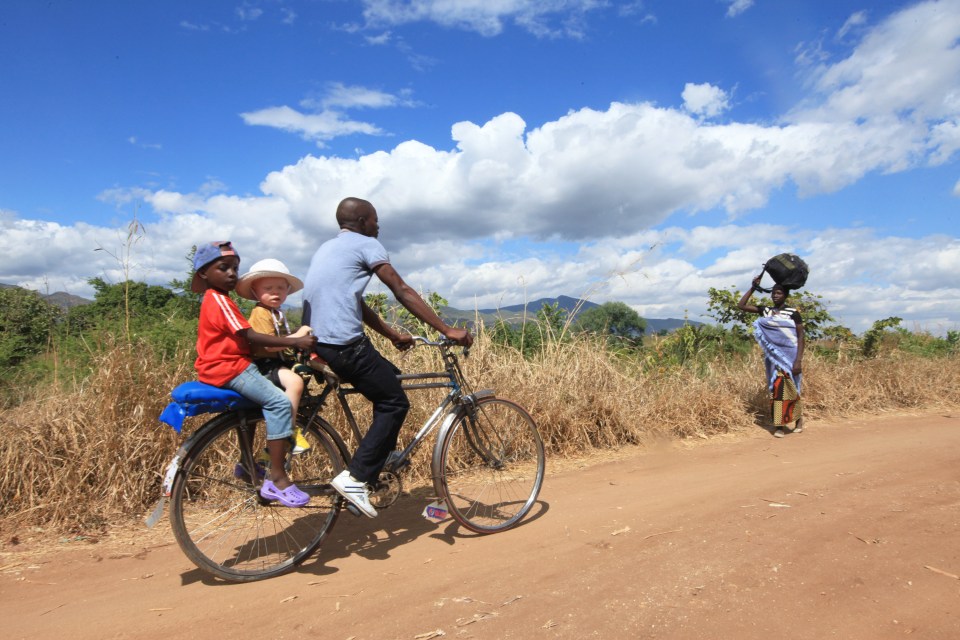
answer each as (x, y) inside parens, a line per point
(221, 522)
(492, 466)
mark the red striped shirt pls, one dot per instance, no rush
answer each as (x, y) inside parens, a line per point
(222, 353)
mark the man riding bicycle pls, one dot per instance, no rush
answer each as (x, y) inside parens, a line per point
(335, 309)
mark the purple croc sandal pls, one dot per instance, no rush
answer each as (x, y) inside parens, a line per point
(289, 497)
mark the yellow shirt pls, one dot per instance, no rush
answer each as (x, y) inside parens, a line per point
(270, 322)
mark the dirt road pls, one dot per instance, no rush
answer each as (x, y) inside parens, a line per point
(849, 530)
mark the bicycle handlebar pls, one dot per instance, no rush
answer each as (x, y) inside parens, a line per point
(445, 342)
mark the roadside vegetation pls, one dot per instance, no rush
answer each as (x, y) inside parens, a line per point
(80, 390)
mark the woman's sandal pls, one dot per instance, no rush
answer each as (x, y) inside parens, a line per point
(289, 497)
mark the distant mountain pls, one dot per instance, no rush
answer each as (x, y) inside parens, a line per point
(655, 325)
(566, 303)
(61, 299)
(66, 300)
(515, 314)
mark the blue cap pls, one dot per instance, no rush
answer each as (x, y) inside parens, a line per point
(207, 253)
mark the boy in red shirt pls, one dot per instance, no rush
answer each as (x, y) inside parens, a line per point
(223, 360)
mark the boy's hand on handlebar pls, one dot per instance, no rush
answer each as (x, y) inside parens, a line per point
(460, 336)
(304, 342)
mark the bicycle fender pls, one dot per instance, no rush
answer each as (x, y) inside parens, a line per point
(477, 396)
(165, 489)
(451, 418)
(436, 465)
(448, 421)
(154, 517)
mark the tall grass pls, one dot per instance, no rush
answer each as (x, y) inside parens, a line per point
(84, 456)
(80, 457)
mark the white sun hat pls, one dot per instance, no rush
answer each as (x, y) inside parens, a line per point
(268, 268)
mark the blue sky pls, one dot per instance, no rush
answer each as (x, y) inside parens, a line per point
(640, 151)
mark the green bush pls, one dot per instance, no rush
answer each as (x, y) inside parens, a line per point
(26, 321)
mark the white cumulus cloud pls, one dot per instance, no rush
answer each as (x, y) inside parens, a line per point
(705, 99)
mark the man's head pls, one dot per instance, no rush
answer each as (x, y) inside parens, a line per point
(206, 255)
(359, 216)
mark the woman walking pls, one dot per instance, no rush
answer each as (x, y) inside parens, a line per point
(779, 332)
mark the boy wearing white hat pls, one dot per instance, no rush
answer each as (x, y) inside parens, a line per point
(269, 282)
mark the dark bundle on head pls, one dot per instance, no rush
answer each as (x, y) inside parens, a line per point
(787, 270)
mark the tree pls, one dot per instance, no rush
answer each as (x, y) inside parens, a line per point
(505, 335)
(398, 314)
(189, 300)
(377, 302)
(723, 307)
(551, 319)
(127, 301)
(26, 322)
(870, 346)
(437, 302)
(135, 311)
(617, 320)
(529, 337)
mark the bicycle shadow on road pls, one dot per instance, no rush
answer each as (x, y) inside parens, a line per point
(376, 538)
(371, 538)
(402, 523)
(453, 530)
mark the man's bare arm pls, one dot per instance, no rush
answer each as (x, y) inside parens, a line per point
(374, 321)
(413, 303)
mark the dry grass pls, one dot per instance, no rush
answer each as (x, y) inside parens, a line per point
(78, 460)
(81, 459)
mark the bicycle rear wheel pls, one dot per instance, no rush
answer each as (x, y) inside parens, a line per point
(221, 522)
(492, 466)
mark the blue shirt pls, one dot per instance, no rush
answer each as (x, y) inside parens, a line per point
(333, 289)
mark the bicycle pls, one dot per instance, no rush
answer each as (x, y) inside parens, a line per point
(487, 467)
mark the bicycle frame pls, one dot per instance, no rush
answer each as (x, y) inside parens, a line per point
(450, 406)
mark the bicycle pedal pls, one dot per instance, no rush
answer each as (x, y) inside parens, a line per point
(352, 509)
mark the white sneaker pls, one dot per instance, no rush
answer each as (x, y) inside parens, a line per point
(779, 433)
(355, 492)
(798, 427)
